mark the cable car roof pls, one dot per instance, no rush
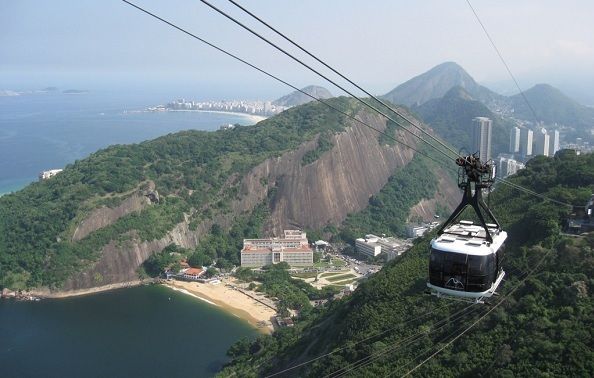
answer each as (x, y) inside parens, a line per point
(466, 237)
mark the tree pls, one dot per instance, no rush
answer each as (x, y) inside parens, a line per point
(198, 259)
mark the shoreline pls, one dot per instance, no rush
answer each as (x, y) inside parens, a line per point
(229, 300)
(252, 117)
(48, 294)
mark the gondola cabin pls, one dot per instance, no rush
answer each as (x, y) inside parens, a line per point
(463, 263)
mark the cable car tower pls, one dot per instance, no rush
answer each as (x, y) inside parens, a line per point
(466, 258)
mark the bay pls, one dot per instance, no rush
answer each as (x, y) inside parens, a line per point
(145, 331)
(50, 130)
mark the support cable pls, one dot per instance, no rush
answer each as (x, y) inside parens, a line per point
(221, 12)
(502, 60)
(341, 75)
(281, 81)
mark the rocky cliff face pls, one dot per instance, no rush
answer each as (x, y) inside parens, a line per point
(305, 196)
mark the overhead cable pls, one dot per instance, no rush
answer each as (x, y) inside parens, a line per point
(226, 15)
(342, 75)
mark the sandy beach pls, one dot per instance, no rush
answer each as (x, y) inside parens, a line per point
(230, 300)
(253, 118)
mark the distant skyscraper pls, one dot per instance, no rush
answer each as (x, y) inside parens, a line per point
(541, 142)
(526, 137)
(554, 142)
(514, 140)
(481, 137)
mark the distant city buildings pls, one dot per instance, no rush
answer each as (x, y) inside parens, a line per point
(554, 143)
(293, 249)
(415, 230)
(261, 108)
(481, 137)
(507, 166)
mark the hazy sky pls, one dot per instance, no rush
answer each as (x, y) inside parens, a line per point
(378, 43)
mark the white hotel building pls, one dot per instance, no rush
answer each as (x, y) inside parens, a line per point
(293, 248)
(373, 245)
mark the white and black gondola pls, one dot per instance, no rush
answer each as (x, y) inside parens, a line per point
(465, 260)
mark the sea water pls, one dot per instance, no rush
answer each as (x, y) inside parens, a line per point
(46, 131)
(148, 331)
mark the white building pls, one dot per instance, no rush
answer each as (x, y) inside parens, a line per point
(509, 166)
(373, 245)
(526, 139)
(48, 174)
(481, 137)
(541, 142)
(293, 249)
(514, 140)
(554, 145)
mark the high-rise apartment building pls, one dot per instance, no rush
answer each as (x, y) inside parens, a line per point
(541, 142)
(481, 137)
(526, 138)
(554, 142)
(514, 141)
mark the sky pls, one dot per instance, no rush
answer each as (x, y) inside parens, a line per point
(377, 43)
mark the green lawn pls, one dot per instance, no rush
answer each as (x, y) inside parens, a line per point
(330, 274)
(341, 277)
(345, 282)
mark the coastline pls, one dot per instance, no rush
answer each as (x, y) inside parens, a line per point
(252, 117)
(230, 300)
(46, 293)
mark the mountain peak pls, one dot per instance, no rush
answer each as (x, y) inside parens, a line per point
(435, 83)
(297, 98)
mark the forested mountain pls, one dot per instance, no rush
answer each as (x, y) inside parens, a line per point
(297, 98)
(309, 167)
(540, 325)
(451, 117)
(552, 106)
(435, 83)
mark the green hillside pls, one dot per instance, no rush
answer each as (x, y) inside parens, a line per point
(451, 117)
(541, 325)
(552, 106)
(36, 223)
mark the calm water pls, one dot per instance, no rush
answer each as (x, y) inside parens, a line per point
(144, 331)
(46, 131)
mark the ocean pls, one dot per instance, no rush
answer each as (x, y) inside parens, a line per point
(146, 331)
(143, 331)
(50, 130)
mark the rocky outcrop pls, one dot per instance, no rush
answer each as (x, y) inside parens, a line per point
(448, 195)
(340, 182)
(105, 216)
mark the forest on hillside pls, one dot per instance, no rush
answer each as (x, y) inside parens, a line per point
(540, 325)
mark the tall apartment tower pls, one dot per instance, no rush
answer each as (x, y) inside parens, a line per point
(554, 142)
(514, 141)
(526, 137)
(541, 142)
(481, 137)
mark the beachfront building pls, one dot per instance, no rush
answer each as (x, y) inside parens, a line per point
(293, 248)
(192, 274)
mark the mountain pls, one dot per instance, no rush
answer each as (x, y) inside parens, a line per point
(97, 221)
(552, 106)
(297, 98)
(435, 83)
(540, 325)
(451, 117)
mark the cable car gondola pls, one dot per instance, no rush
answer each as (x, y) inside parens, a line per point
(466, 258)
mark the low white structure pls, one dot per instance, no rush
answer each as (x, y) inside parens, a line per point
(293, 249)
(373, 245)
(48, 174)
